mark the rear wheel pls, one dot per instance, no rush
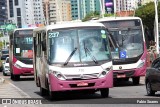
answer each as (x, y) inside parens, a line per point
(149, 90)
(104, 92)
(16, 77)
(136, 80)
(42, 91)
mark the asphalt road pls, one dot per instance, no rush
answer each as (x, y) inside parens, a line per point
(122, 92)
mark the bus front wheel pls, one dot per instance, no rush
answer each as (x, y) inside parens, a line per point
(104, 92)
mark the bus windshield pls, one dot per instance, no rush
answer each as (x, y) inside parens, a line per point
(23, 43)
(78, 45)
(129, 36)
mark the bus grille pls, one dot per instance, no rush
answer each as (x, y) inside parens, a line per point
(82, 76)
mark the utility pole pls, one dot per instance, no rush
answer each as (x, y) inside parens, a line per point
(115, 9)
(156, 26)
(102, 6)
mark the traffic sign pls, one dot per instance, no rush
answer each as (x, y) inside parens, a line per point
(123, 54)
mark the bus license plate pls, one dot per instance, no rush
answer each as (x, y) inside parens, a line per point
(82, 84)
(121, 76)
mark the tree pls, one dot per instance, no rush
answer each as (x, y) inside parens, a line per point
(147, 14)
(91, 15)
(1, 34)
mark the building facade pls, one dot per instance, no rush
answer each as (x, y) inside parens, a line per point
(3, 12)
(34, 12)
(80, 8)
(25, 13)
(57, 10)
(126, 5)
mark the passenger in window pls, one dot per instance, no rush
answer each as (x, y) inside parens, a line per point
(97, 49)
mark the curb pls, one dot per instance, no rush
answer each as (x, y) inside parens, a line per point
(9, 90)
(20, 91)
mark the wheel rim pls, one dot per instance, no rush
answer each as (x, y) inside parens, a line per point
(148, 88)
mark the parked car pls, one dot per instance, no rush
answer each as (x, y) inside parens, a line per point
(6, 69)
(152, 78)
(4, 54)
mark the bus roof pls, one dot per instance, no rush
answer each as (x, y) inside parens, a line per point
(114, 18)
(25, 28)
(69, 25)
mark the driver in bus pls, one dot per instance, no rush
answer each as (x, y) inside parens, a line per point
(97, 50)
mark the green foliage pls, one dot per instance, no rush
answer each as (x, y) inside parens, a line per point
(1, 45)
(1, 34)
(147, 14)
(108, 15)
(91, 15)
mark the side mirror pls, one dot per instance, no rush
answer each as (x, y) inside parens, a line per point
(44, 45)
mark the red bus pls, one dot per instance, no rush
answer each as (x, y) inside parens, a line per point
(20, 53)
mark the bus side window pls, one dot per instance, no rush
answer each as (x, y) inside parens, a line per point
(44, 39)
(38, 45)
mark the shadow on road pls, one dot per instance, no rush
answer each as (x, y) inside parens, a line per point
(26, 78)
(123, 83)
(155, 96)
(63, 97)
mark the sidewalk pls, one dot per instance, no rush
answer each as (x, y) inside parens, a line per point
(8, 90)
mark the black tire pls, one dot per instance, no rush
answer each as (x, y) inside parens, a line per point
(136, 80)
(42, 91)
(126, 79)
(104, 92)
(149, 90)
(1, 69)
(12, 77)
(16, 77)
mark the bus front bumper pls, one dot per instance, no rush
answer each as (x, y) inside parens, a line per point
(64, 85)
(129, 73)
(23, 71)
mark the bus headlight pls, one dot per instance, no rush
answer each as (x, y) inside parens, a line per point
(17, 66)
(57, 75)
(141, 63)
(104, 72)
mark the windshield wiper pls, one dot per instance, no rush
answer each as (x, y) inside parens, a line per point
(112, 40)
(70, 56)
(89, 52)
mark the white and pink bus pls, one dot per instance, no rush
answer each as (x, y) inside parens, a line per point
(129, 58)
(20, 53)
(72, 56)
